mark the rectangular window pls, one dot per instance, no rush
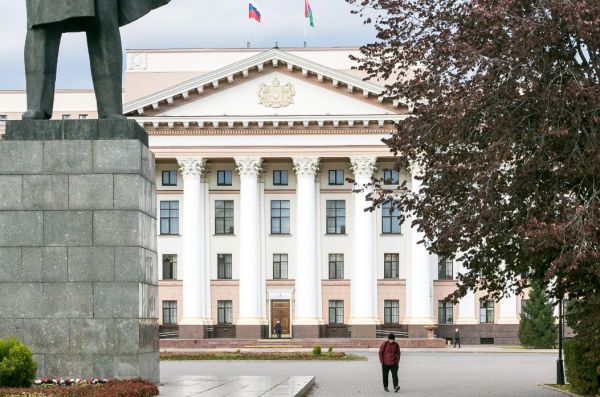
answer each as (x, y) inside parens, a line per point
(336, 216)
(336, 177)
(445, 270)
(169, 267)
(486, 311)
(169, 217)
(524, 305)
(336, 266)
(280, 216)
(83, 116)
(169, 312)
(169, 178)
(336, 312)
(445, 312)
(66, 116)
(391, 176)
(391, 312)
(224, 178)
(224, 312)
(3, 119)
(224, 217)
(389, 218)
(224, 266)
(391, 266)
(280, 266)
(280, 178)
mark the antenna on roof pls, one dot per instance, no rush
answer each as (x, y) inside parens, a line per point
(247, 44)
(304, 43)
(276, 45)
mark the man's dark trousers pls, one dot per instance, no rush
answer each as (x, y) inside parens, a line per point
(386, 368)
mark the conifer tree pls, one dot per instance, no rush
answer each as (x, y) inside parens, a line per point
(537, 328)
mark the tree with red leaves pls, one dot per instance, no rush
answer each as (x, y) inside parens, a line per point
(505, 136)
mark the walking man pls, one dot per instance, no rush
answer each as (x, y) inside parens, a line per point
(389, 356)
(278, 329)
(456, 338)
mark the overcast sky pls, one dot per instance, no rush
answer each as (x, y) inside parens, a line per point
(188, 24)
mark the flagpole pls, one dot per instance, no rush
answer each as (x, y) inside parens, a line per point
(305, 24)
(248, 26)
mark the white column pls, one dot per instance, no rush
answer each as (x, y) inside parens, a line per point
(252, 282)
(308, 281)
(467, 310)
(508, 310)
(419, 281)
(196, 278)
(363, 307)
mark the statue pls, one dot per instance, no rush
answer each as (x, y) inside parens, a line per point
(47, 20)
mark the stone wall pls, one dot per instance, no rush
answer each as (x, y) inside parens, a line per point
(78, 266)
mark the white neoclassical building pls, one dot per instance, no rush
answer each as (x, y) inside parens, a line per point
(258, 223)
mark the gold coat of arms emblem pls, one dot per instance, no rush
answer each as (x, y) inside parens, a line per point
(276, 95)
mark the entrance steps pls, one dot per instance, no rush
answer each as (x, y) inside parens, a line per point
(335, 343)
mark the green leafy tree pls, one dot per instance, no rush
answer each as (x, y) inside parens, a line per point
(537, 328)
(504, 138)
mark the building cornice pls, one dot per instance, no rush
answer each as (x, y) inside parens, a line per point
(279, 123)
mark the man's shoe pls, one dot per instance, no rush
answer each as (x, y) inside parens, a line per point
(35, 114)
(386, 389)
(396, 389)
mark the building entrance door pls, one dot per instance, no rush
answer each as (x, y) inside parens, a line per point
(280, 311)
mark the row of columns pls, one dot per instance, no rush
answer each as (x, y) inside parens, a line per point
(308, 318)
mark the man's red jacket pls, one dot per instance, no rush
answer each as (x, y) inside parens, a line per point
(389, 353)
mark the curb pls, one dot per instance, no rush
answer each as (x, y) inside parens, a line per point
(307, 388)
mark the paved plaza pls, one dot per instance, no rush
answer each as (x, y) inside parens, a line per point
(422, 373)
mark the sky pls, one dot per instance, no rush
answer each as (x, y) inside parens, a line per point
(189, 24)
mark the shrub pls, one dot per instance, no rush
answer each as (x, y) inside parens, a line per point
(316, 350)
(330, 349)
(537, 328)
(17, 366)
(580, 370)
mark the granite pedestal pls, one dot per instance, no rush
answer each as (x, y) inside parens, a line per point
(78, 264)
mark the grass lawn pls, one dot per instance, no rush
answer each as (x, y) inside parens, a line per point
(301, 356)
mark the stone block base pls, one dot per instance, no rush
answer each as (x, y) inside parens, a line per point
(193, 332)
(78, 264)
(249, 331)
(363, 331)
(306, 331)
(475, 334)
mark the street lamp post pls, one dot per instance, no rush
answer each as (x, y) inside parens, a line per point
(560, 372)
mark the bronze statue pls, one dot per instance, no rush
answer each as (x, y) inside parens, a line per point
(47, 20)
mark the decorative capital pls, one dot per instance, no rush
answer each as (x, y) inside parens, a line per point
(363, 166)
(249, 166)
(306, 165)
(191, 166)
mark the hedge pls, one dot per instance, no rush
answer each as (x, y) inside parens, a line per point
(113, 388)
(581, 372)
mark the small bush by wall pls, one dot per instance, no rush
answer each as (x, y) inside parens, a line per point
(316, 350)
(17, 366)
(580, 371)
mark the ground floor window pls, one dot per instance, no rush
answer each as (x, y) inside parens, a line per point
(445, 312)
(224, 312)
(169, 312)
(391, 312)
(336, 312)
(486, 311)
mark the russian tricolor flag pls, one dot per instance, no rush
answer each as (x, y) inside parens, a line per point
(253, 12)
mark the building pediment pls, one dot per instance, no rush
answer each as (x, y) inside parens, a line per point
(184, 97)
